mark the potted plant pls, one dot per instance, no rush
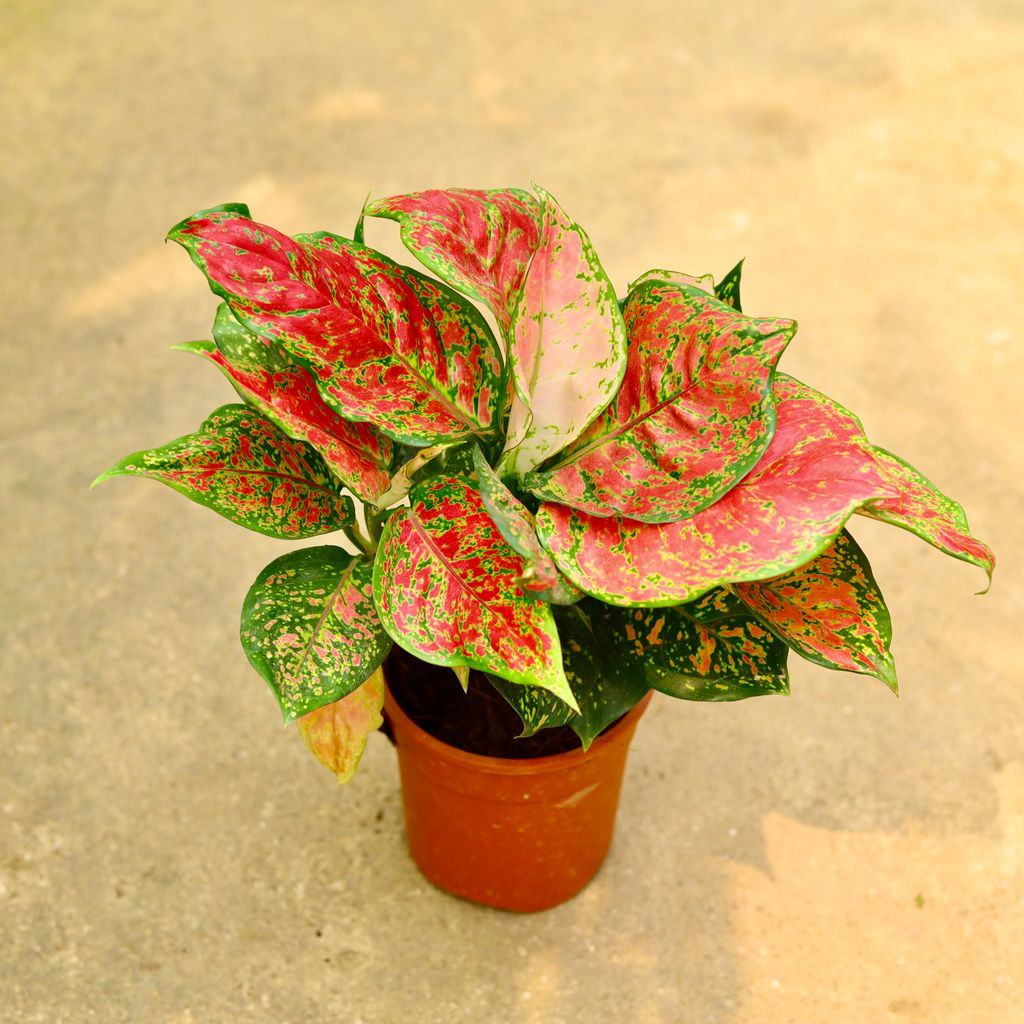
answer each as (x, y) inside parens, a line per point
(592, 500)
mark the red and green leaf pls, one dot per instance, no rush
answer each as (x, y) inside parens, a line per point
(817, 470)
(446, 588)
(311, 629)
(337, 733)
(694, 414)
(384, 343)
(358, 455)
(568, 351)
(829, 611)
(712, 649)
(479, 241)
(920, 507)
(246, 469)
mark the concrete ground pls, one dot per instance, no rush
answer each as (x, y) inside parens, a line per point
(167, 853)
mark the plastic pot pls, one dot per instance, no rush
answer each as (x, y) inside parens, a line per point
(519, 834)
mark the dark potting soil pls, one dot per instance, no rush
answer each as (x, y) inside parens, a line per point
(480, 721)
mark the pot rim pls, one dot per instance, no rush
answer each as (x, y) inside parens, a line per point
(485, 763)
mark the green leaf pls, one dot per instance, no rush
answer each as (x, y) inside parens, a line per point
(830, 611)
(537, 708)
(310, 627)
(818, 468)
(920, 507)
(244, 468)
(693, 416)
(728, 289)
(568, 348)
(244, 349)
(337, 733)
(446, 588)
(606, 686)
(712, 649)
(385, 344)
(516, 525)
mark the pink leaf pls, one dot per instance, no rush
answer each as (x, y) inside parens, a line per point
(693, 415)
(480, 241)
(817, 470)
(920, 507)
(445, 582)
(568, 351)
(384, 343)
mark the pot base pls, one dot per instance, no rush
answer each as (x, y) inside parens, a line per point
(518, 834)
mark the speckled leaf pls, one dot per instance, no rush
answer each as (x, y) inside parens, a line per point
(244, 349)
(516, 524)
(357, 454)
(337, 733)
(920, 507)
(816, 471)
(310, 627)
(384, 343)
(728, 289)
(605, 686)
(537, 709)
(243, 467)
(705, 282)
(445, 586)
(693, 416)
(568, 351)
(712, 649)
(480, 241)
(829, 611)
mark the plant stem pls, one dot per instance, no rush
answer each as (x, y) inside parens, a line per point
(402, 480)
(358, 538)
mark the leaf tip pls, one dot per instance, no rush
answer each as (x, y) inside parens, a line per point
(103, 477)
(887, 674)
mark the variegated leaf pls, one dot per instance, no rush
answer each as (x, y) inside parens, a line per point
(537, 708)
(605, 685)
(693, 416)
(357, 454)
(816, 471)
(516, 524)
(480, 241)
(712, 649)
(705, 282)
(920, 507)
(829, 611)
(568, 350)
(243, 467)
(336, 734)
(310, 627)
(243, 349)
(728, 289)
(384, 343)
(446, 587)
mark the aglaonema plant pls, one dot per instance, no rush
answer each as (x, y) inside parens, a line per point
(602, 497)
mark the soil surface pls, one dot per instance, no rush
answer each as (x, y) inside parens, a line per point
(479, 720)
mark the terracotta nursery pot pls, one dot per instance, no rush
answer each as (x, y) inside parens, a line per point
(520, 834)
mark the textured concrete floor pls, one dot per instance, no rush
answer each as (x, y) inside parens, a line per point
(167, 853)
